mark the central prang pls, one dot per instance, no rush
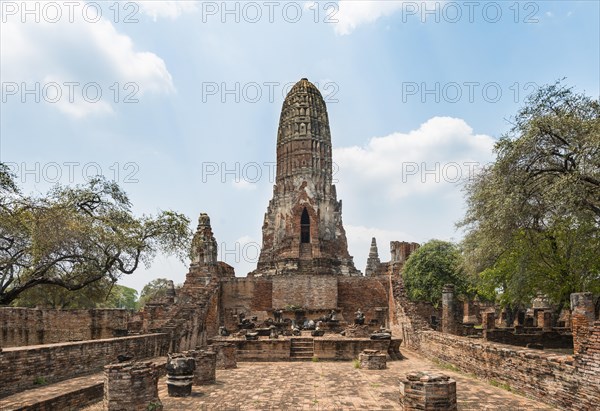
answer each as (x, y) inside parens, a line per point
(302, 230)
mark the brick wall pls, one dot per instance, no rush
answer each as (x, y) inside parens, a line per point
(262, 298)
(307, 291)
(263, 350)
(567, 382)
(31, 326)
(366, 293)
(548, 339)
(247, 295)
(347, 349)
(324, 349)
(56, 362)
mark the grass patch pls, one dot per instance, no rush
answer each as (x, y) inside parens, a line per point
(40, 381)
(315, 359)
(502, 385)
(356, 363)
(153, 406)
(446, 365)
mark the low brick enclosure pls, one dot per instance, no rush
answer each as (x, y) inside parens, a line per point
(32, 326)
(23, 366)
(567, 382)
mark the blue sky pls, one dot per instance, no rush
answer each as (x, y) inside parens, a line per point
(417, 92)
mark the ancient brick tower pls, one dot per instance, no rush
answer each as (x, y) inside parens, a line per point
(302, 230)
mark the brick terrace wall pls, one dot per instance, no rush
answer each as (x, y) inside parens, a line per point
(366, 293)
(20, 366)
(570, 383)
(32, 326)
(307, 291)
(347, 349)
(324, 349)
(263, 350)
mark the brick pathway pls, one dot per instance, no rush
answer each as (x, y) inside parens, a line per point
(330, 386)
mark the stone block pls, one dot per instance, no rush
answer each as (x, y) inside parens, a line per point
(427, 391)
(131, 386)
(226, 355)
(206, 364)
(180, 375)
(372, 360)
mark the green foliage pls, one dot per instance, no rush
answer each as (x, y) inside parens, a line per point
(100, 294)
(533, 216)
(40, 381)
(315, 359)
(154, 405)
(430, 267)
(446, 365)
(121, 297)
(72, 237)
(356, 363)
(154, 289)
(502, 385)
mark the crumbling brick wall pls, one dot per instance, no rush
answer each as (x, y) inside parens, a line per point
(32, 326)
(21, 366)
(370, 294)
(567, 382)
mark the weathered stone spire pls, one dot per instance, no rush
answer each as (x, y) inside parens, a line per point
(302, 230)
(204, 244)
(373, 261)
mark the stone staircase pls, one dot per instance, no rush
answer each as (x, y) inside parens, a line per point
(302, 349)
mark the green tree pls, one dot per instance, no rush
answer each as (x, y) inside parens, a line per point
(533, 216)
(121, 297)
(76, 236)
(430, 267)
(154, 289)
(100, 294)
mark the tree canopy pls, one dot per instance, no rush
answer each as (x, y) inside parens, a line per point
(533, 216)
(154, 289)
(430, 267)
(101, 294)
(73, 237)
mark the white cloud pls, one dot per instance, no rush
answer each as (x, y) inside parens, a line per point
(81, 52)
(440, 153)
(167, 9)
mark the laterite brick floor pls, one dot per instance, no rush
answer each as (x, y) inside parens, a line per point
(330, 386)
